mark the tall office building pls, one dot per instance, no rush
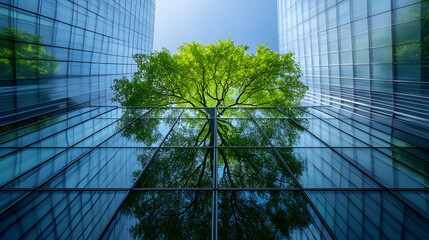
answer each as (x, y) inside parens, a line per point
(366, 63)
(58, 60)
(58, 54)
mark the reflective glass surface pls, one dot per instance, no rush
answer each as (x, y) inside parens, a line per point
(365, 57)
(56, 54)
(256, 173)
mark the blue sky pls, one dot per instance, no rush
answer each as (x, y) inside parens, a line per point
(244, 21)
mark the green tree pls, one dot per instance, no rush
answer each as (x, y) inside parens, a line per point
(219, 75)
(213, 75)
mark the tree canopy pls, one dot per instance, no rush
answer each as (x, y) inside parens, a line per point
(219, 75)
(213, 75)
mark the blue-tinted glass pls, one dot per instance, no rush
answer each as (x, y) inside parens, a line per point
(407, 32)
(177, 215)
(361, 56)
(255, 168)
(401, 3)
(360, 41)
(360, 26)
(381, 55)
(381, 37)
(346, 58)
(359, 9)
(368, 215)
(176, 168)
(298, 219)
(381, 20)
(370, 134)
(65, 214)
(332, 17)
(344, 31)
(408, 71)
(381, 71)
(343, 9)
(378, 6)
(361, 71)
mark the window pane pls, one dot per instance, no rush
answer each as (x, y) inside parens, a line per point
(343, 12)
(378, 6)
(381, 20)
(381, 37)
(361, 71)
(360, 41)
(381, 71)
(359, 9)
(381, 55)
(408, 53)
(407, 32)
(361, 56)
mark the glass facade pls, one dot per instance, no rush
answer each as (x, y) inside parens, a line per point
(352, 163)
(57, 54)
(366, 65)
(368, 56)
(181, 173)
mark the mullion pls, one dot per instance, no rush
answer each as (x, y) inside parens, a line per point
(55, 220)
(415, 146)
(92, 149)
(67, 166)
(98, 222)
(51, 125)
(99, 170)
(331, 233)
(354, 102)
(129, 191)
(215, 178)
(335, 205)
(58, 154)
(48, 112)
(361, 170)
(56, 133)
(46, 119)
(375, 148)
(215, 189)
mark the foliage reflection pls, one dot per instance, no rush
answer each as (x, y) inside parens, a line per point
(174, 215)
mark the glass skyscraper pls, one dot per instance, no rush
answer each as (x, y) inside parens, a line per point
(58, 60)
(59, 54)
(351, 163)
(366, 63)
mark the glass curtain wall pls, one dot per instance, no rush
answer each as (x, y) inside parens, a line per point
(57, 55)
(368, 57)
(181, 173)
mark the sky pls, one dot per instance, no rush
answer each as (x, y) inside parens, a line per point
(247, 22)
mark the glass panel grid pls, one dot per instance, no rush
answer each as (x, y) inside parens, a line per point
(149, 158)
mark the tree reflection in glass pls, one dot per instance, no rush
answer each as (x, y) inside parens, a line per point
(24, 56)
(242, 214)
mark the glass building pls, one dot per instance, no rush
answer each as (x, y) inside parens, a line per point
(367, 63)
(349, 164)
(62, 54)
(181, 173)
